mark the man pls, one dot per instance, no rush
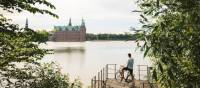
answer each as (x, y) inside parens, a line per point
(129, 67)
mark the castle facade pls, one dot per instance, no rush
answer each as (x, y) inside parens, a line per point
(69, 33)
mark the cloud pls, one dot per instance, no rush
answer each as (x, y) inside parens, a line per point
(102, 16)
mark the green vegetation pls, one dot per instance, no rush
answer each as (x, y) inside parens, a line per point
(19, 52)
(43, 35)
(171, 32)
(46, 75)
(125, 36)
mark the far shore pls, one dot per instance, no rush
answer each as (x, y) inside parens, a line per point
(97, 40)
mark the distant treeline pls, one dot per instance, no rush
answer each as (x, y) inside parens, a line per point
(125, 36)
(90, 36)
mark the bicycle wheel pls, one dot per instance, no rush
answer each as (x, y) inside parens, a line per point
(119, 75)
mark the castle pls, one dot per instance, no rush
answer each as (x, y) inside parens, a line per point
(69, 33)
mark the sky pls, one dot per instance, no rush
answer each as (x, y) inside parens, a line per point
(101, 16)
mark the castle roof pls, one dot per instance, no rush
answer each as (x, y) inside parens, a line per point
(70, 27)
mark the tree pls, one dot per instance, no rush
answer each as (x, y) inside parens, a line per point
(43, 35)
(27, 5)
(125, 36)
(171, 32)
(17, 44)
(19, 47)
(46, 75)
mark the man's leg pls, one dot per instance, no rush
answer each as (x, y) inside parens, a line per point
(131, 74)
(128, 75)
(127, 78)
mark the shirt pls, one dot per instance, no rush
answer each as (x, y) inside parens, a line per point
(130, 63)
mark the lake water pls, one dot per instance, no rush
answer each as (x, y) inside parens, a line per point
(86, 59)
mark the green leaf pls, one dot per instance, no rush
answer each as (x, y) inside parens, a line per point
(145, 19)
(146, 4)
(146, 51)
(171, 76)
(155, 75)
(160, 67)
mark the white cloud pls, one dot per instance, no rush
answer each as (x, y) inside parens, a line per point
(101, 15)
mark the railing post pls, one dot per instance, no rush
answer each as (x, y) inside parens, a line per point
(107, 71)
(98, 80)
(115, 71)
(101, 79)
(95, 82)
(147, 71)
(142, 84)
(139, 71)
(92, 83)
(103, 74)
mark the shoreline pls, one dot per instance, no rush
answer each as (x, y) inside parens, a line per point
(94, 41)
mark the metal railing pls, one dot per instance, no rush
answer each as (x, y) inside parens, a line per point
(110, 71)
(147, 71)
(99, 81)
(142, 70)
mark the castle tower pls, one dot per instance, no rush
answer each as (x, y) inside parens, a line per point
(83, 23)
(70, 22)
(82, 31)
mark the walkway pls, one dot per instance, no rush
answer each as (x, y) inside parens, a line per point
(113, 83)
(108, 77)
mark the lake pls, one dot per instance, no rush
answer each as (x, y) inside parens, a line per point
(86, 59)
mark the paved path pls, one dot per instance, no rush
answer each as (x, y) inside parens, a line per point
(113, 83)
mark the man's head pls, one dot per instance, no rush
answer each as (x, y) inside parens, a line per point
(129, 54)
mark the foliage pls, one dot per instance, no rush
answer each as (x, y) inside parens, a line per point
(36, 76)
(110, 37)
(171, 32)
(43, 35)
(17, 45)
(27, 5)
(19, 52)
(20, 44)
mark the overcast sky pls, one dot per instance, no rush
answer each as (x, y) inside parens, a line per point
(101, 16)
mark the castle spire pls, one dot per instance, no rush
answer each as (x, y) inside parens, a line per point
(26, 25)
(70, 22)
(83, 22)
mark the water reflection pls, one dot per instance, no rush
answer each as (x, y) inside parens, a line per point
(71, 55)
(70, 50)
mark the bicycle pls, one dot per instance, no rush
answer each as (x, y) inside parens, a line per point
(120, 74)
